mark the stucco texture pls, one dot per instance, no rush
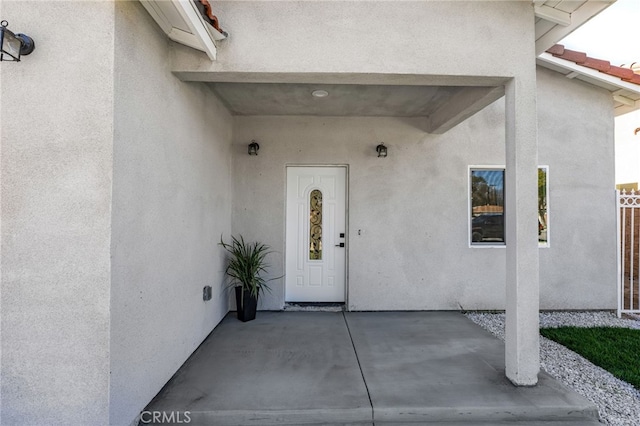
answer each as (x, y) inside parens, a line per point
(171, 204)
(118, 181)
(56, 140)
(575, 127)
(411, 208)
(389, 37)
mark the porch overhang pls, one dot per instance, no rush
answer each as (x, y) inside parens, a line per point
(442, 102)
(243, 81)
(182, 22)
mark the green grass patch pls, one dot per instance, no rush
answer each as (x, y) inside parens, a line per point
(617, 350)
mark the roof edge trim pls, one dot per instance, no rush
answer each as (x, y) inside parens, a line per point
(589, 72)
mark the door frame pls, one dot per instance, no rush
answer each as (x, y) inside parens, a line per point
(346, 225)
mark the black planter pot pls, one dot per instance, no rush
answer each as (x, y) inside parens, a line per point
(246, 310)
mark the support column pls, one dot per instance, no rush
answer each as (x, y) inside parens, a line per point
(522, 343)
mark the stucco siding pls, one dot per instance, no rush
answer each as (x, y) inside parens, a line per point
(56, 135)
(411, 208)
(575, 128)
(171, 204)
(395, 37)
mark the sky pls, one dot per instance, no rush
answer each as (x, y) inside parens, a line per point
(613, 35)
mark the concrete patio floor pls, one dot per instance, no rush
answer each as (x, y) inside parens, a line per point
(360, 368)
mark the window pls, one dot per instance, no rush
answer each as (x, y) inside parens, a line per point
(543, 210)
(315, 225)
(487, 206)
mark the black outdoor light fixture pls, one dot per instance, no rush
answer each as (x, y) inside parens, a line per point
(12, 46)
(253, 148)
(381, 150)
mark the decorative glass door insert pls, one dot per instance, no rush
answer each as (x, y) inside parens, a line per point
(315, 225)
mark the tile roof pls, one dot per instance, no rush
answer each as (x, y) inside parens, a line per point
(205, 9)
(581, 58)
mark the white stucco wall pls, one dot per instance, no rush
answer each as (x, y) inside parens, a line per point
(412, 207)
(387, 37)
(171, 204)
(575, 136)
(56, 140)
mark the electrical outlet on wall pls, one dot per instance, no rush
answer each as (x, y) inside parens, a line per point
(206, 293)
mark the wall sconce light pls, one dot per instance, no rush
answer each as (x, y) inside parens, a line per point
(12, 46)
(381, 150)
(253, 148)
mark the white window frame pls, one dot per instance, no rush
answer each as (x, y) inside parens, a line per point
(470, 243)
(470, 206)
(546, 244)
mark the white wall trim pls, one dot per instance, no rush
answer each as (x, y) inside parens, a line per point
(190, 14)
(548, 243)
(589, 72)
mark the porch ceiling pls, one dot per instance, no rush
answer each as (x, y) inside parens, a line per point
(342, 100)
(442, 107)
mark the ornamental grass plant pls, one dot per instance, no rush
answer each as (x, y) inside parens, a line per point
(247, 262)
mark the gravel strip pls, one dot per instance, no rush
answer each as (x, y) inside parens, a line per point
(618, 402)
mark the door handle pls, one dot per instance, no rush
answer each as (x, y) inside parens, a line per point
(340, 245)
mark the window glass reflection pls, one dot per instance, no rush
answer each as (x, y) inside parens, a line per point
(543, 214)
(487, 206)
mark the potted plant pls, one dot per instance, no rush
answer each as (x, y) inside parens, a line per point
(246, 263)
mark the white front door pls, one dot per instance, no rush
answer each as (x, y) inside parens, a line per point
(315, 251)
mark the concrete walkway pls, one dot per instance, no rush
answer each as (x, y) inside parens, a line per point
(297, 368)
